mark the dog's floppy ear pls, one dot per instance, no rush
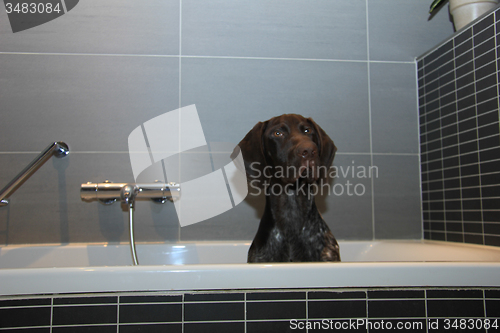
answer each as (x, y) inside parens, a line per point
(326, 148)
(252, 147)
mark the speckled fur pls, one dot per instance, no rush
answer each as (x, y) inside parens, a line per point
(291, 228)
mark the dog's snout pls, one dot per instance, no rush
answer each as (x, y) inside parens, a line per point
(307, 150)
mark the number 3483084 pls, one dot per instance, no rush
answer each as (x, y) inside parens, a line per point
(32, 8)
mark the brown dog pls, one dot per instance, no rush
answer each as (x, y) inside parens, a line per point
(285, 156)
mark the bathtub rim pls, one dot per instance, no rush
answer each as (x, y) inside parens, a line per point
(247, 276)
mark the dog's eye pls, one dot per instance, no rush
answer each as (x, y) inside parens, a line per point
(278, 133)
(307, 130)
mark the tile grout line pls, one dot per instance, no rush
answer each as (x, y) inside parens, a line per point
(204, 57)
(475, 70)
(51, 313)
(179, 203)
(419, 143)
(370, 116)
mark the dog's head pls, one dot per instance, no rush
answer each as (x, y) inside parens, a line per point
(285, 149)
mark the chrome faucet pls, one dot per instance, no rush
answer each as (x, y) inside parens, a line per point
(109, 192)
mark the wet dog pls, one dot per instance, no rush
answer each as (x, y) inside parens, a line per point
(285, 156)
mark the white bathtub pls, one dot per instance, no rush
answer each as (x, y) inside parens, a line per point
(222, 265)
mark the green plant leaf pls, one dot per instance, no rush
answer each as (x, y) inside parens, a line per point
(435, 4)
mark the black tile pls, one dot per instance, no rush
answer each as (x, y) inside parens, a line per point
(455, 308)
(488, 106)
(490, 154)
(486, 47)
(438, 236)
(452, 237)
(465, 76)
(337, 309)
(455, 293)
(214, 327)
(470, 193)
(452, 194)
(474, 204)
(485, 23)
(491, 216)
(473, 227)
(451, 162)
(23, 317)
(468, 170)
(490, 179)
(452, 183)
(330, 325)
(492, 240)
(150, 299)
(86, 300)
(396, 308)
(396, 294)
(490, 142)
(492, 293)
(151, 328)
(147, 313)
(276, 310)
(453, 205)
(450, 119)
(490, 130)
(276, 326)
(485, 71)
(451, 173)
(482, 60)
(467, 124)
(463, 36)
(85, 329)
(487, 94)
(73, 315)
(25, 302)
(214, 311)
(463, 53)
(389, 325)
(474, 239)
(488, 118)
(454, 227)
(214, 297)
(30, 330)
(336, 295)
(472, 216)
(276, 295)
(492, 308)
(492, 228)
(490, 203)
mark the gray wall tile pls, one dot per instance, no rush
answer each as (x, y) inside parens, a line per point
(334, 94)
(401, 30)
(96, 26)
(397, 216)
(279, 29)
(93, 102)
(394, 107)
(347, 207)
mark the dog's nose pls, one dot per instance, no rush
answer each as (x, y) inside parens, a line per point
(306, 150)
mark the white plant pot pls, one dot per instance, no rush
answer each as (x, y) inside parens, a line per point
(466, 11)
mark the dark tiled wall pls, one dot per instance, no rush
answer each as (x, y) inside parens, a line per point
(459, 136)
(254, 311)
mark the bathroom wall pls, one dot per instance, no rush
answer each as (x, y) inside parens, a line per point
(460, 135)
(104, 68)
